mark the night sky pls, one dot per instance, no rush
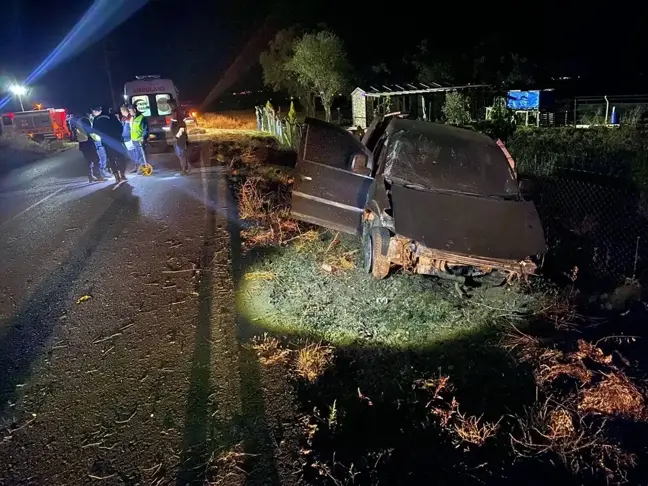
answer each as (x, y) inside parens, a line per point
(194, 42)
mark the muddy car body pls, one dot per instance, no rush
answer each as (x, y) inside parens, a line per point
(433, 199)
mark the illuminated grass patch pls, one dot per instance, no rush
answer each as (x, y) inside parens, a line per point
(342, 305)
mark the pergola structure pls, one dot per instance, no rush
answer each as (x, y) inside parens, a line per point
(410, 98)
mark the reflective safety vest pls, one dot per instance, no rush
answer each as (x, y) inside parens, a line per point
(137, 128)
(93, 135)
(82, 135)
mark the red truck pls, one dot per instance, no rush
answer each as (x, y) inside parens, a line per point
(39, 125)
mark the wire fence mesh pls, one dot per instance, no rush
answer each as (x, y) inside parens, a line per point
(596, 227)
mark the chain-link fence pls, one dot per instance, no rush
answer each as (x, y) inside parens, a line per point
(288, 132)
(596, 227)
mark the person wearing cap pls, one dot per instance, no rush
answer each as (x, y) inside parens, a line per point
(97, 131)
(139, 136)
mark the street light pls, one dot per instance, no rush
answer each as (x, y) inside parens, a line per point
(19, 91)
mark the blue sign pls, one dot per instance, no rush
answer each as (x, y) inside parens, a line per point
(523, 100)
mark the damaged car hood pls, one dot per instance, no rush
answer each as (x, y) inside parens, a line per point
(454, 190)
(469, 225)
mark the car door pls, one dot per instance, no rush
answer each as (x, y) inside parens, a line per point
(333, 176)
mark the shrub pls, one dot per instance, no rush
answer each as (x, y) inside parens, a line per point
(456, 109)
(619, 152)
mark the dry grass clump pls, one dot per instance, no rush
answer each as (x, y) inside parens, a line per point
(270, 350)
(269, 208)
(252, 202)
(473, 430)
(574, 427)
(526, 348)
(614, 395)
(266, 276)
(603, 390)
(590, 351)
(313, 360)
(561, 424)
(226, 469)
(552, 429)
(337, 259)
(467, 428)
(234, 120)
(575, 369)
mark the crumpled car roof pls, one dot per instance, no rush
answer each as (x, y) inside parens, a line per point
(442, 157)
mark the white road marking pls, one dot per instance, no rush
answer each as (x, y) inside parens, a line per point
(36, 204)
(118, 184)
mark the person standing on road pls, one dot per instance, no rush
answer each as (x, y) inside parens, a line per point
(99, 122)
(180, 137)
(87, 146)
(115, 148)
(139, 136)
(126, 134)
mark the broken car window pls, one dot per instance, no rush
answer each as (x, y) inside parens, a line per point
(449, 163)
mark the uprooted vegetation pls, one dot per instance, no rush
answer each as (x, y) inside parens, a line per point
(495, 407)
(403, 381)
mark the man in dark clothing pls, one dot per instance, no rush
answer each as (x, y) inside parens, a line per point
(87, 146)
(99, 118)
(180, 137)
(109, 129)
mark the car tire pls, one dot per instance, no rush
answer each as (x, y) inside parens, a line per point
(374, 261)
(380, 263)
(367, 248)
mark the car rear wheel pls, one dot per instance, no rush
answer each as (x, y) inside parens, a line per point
(374, 261)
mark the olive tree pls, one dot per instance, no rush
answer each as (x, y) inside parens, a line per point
(276, 74)
(320, 63)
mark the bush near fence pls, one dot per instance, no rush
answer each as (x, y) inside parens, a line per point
(618, 152)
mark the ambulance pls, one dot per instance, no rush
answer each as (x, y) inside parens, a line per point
(151, 95)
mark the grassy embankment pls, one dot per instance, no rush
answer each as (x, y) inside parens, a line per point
(402, 380)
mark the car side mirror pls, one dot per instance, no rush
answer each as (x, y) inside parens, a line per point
(527, 188)
(359, 164)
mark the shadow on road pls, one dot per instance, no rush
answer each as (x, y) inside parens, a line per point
(197, 430)
(205, 436)
(258, 440)
(29, 329)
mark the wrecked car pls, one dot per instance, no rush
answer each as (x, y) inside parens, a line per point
(433, 199)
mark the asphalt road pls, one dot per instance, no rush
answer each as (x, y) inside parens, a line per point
(119, 361)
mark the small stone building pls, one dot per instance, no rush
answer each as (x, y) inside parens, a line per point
(421, 101)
